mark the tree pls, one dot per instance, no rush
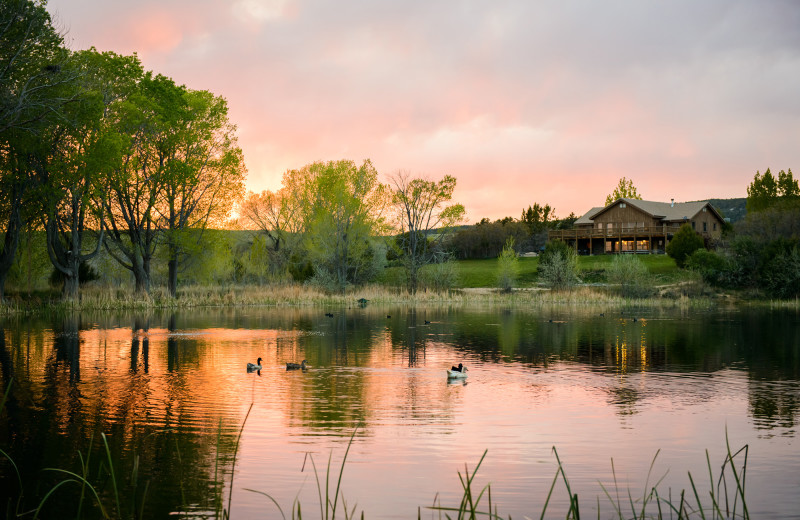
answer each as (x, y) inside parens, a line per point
(31, 60)
(685, 242)
(76, 156)
(508, 267)
(135, 187)
(537, 217)
(342, 211)
(203, 170)
(766, 190)
(625, 189)
(31, 96)
(278, 216)
(423, 218)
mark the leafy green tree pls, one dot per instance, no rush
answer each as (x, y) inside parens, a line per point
(203, 171)
(624, 189)
(766, 190)
(508, 267)
(145, 120)
(424, 219)
(342, 208)
(685, 242)
(558, 265)
(31, 60)
(32, 96)
(77, 156)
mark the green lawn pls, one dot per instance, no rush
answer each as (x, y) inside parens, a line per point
(482, 273)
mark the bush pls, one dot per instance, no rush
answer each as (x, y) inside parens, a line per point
(782, 274)
(685, 242)
(631, 275)
(714, 268)
(439, 277)
(558, 265)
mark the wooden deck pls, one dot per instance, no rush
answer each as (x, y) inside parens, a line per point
(622, 239)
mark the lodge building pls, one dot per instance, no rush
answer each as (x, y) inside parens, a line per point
(638, 226)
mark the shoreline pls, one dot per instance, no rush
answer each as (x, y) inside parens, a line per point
(680, 295)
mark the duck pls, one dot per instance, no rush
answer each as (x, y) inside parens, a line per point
(329, 314)
(295, 366)
(457, 372)
(256, 366)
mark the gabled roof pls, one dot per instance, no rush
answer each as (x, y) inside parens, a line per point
(667, 211)
(586, 218)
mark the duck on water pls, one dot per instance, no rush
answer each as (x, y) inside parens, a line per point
(457, 372)
(257, 366)
(296, 366)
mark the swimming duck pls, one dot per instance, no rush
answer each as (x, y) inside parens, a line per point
(457, 372)
(295, 366)
(256, 366)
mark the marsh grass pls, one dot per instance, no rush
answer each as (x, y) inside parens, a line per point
(109, 299)
(724, 499)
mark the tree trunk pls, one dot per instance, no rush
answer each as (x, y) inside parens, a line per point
(141, 275)
(71, 285)
(173, 276)
(9, 246)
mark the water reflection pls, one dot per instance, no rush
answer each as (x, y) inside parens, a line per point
(172, 388)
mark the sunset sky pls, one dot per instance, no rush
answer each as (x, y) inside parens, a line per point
(523, 101)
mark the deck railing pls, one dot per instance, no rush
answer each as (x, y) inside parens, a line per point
(616, 232)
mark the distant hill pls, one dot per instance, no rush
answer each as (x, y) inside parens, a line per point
(734, 209)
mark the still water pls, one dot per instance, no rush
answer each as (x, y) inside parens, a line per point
(171, 394)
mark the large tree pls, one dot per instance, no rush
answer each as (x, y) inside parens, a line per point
(31, 98)
(277, 215)
(203, 172)
(342, 206)
(424, 219)
(134, 187)
(624, 189)
(76, 158)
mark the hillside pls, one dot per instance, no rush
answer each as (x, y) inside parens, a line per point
(733, 209)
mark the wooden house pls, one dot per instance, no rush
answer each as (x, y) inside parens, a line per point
(638, 226)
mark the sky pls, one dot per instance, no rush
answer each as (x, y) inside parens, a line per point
(546, 101)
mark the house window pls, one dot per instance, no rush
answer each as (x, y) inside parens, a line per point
(610, 226)
(693, 224)
(622, 205)
(705, 226)
(715, 226)
(704, 209)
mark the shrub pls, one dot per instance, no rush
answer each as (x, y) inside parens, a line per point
(631, 275)
(685, 242)
(714, 268)
(558, 265)
(440, 277)
(782, 274)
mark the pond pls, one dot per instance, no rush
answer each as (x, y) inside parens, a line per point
(168, 400)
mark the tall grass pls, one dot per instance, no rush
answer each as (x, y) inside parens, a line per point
(725, 498)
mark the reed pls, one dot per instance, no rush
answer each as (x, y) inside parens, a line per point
(97, 298)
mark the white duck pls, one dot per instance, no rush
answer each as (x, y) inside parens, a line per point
(457, 372)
